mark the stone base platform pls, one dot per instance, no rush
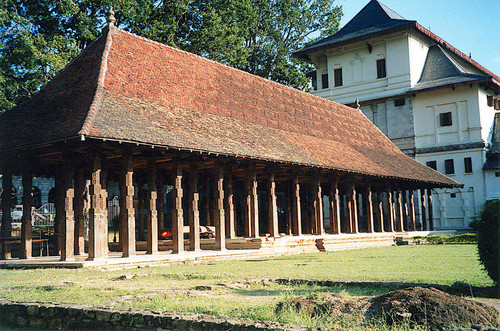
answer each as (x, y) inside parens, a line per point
(239, 248)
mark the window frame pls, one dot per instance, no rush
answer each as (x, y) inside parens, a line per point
(324, 81)
(431, 164)
(381, 68)
(449, 167)
(445, 119)
(468, 165)
(337, 77)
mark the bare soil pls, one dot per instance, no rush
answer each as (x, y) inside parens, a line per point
(429, 307)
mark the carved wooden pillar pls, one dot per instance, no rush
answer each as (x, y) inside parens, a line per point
(152, 218)
(26, 231)
(254, 224)
(68, 219)
(273, 206)
(406, 214)
(219, 219)
(390, 210)
(178, 213)
(334, 207)
(352, 209)
(127, 211)
(230, 214)
(194, 214)
(289, 218)
(296, 212)
(140, 210)
(429, 205)
(369, 209)
(399, 211)
(248, 207)
(59, 206)
(380, 212)
(423, 206)
(97, 212)
(411, 211)
(79, 215)
(318, 219)
(160, 205)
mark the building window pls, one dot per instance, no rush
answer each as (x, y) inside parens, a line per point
(496, 104)
(445, 119)
(324, 80)
(468, 165)
(381, 68)
(337, 75)
(399, 102)
(453, 195)
(449, 167)
(497, 174)
(490, 100)
(432, 164)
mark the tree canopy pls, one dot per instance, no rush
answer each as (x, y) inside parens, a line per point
(39, 37)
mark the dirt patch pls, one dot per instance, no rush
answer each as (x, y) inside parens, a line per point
(431, 307)
(415, 306)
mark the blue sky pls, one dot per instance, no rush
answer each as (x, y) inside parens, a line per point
(472, 26)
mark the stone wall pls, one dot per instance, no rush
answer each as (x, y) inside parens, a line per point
(46, 315)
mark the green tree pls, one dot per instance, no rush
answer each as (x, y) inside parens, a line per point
(39, 37)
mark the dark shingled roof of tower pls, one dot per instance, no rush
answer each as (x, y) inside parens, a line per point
(375, 17)
(128, 88)
(441, 69)
(493, 155)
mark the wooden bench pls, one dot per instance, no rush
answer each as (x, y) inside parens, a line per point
(6, 242)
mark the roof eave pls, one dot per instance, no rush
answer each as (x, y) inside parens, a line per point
(453, 85)
(304, 52)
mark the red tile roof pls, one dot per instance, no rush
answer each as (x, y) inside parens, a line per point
(128, 88)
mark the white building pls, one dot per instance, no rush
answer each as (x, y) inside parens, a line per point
(434, 102)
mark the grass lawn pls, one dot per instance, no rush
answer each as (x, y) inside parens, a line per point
(220, 288)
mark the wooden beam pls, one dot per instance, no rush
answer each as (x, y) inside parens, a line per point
(127, 210)
(248, 207)
(429, 206)
(26, 231)
(152, 217)
(318, 220)
(399, 211)
(194, 213)
(390, 210)
(380, 212)
(177, 212)
(254, 223)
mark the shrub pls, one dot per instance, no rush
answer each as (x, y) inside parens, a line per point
(488, 237)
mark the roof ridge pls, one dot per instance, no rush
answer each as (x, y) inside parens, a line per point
(310, 95)
(94, 106)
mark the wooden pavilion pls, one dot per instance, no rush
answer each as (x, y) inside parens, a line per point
(243, 154)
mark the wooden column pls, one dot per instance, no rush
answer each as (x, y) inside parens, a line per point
(140, 210)
(296, 212)
(369, 209)
(160, 205)
(273, 206)
(411, 211)
(380, 212)
(59, 206)
(254, 224)
(208, 204)
(152, 218)
(352, 209)
(248, 207)
(423, 207)
(230, 215)
(318, 219)
(68, 219)
(79, 215)
(127, 211)
(429, 205)
(6, 212)
(194, 213)
(334, 207)
(178, 213)
(289, 218)
(390, 211)
(97, 213)
(219, 219)
(406, 214)
(399, 211)
(26, 231)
